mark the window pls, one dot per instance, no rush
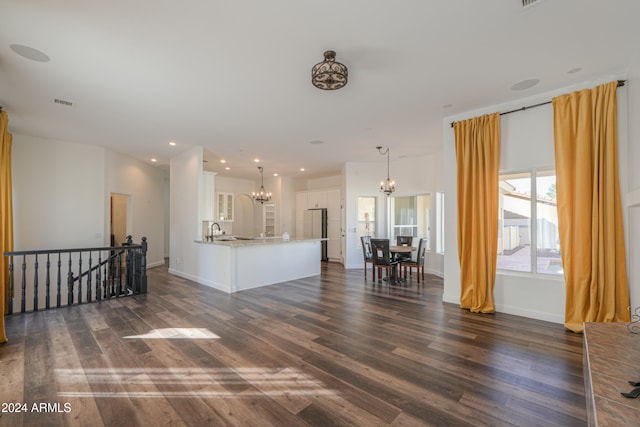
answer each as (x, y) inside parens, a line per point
(366, 217)
(528, 239)
(410, 216)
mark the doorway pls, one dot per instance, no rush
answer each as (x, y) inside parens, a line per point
(120, 224)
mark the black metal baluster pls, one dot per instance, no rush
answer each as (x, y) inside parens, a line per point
(47, 285)
(35, 284)
(80, 278)
(107, 276)
(112, 276)
(59, 287)
(119, 274)
(130, 263)
(127, 269)
(143, 266)
(98, 277)
(23, 307)
(70, 283)
(10, 308)
(89, 290)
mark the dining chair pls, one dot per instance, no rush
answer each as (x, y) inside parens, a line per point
(404, 241)
(419, 261)
(382, 258)
(367, 253)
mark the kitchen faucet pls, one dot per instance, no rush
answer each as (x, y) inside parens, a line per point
(215, 223)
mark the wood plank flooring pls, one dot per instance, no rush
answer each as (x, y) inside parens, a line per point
(331, 350)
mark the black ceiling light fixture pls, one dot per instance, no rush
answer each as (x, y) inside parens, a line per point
(388, 186)
(261, 195)
(329, 74)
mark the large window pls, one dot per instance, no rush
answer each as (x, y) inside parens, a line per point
(410, 216)
(528, 238)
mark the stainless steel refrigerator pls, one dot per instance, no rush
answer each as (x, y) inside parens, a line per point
(315, 227)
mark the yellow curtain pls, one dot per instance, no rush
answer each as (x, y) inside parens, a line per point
(478, 163)
(589, 207)
(6, 216)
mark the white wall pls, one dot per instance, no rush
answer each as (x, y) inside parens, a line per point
(61, 196)
(58, 194)
(333, 181)
(526, 142)
(145, 185)
(167, 213)
(633, 183)
(413, 175)
(287, 210)
(185, 172)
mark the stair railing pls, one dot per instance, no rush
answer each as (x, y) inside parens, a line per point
(103, 277)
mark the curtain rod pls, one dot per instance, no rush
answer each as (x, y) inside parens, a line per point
(620, 84)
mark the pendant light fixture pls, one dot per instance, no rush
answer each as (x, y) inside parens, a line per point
(261, 196)
(329, 74)
(388, 186)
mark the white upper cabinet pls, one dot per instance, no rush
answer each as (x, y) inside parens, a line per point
(224, 208)
(316, 199)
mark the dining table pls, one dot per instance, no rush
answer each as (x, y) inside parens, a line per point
(401, 249)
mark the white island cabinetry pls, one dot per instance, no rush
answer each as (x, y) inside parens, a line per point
(236, 265)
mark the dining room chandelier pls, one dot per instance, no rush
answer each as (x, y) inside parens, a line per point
(262, 195)
(329, 74)
(388, 186)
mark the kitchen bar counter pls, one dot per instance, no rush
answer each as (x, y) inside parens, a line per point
(235, 265)
(240, 241)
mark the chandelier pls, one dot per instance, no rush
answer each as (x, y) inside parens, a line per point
(388, 186)
(261, 196)
(329, 74)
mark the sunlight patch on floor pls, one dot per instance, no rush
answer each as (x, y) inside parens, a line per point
(177, 333)
(187, 383)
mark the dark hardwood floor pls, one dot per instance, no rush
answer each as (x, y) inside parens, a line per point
(322, 351)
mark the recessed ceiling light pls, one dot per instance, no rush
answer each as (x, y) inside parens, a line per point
(227, 168)
(172, 143)
(29, 53)
(223, 161)
(301, 169)
(154, 160)
(574, 70)
(525, 84)
(256, 160)
(275, 174)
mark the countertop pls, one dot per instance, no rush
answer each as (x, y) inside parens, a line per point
(255, 241)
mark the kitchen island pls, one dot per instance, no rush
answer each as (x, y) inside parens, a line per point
(235, 265)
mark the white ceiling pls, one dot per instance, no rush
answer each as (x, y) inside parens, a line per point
(234, 76)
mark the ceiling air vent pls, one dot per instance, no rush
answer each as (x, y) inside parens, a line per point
(527, 3)
(63, 102)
